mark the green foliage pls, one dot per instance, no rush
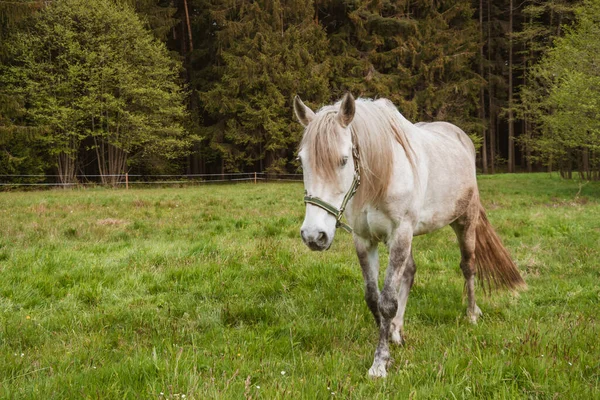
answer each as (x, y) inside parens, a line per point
(91, 70)
(21, 153)
(20, 149)
(268, 53)
(416, 54)
(209, 292)
(159, 15)
(243, 62)
(12, 12)
(567, 90)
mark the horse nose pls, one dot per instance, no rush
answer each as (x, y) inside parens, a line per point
(316, 240)
(322, 237)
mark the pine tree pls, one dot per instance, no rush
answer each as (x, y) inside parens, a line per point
(417, 54)
(158, 15)
(268, 51)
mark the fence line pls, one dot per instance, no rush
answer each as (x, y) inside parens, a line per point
(137, 175)
(151, 179)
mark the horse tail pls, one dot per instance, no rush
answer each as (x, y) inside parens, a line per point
(495, 267)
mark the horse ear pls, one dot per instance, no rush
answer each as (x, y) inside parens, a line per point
(304, 114)
(346, 113)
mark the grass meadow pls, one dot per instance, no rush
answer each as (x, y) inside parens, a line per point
(208, 292)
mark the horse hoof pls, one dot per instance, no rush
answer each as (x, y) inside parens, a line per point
(474, 315)
(377, 371)
(397, 338)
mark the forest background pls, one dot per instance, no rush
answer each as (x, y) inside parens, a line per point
(206, 86)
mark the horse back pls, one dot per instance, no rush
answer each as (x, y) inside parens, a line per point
(446, 130)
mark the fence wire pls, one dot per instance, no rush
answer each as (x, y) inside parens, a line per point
(126, 180)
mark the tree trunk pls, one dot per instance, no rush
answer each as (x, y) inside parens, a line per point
(484, 160)
(492, 124)
(511, 122)
(189, 28)
(527, 124)
(66, 169)
(528, 146)
(66, 163)
(585, 161)
(112, 162)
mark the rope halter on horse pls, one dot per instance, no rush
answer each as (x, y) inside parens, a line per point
(331, 209)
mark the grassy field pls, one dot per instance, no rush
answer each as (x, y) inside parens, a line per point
(208, 292)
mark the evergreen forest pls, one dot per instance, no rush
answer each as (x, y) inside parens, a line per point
(206, 86)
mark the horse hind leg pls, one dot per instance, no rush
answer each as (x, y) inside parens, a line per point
(465, 229)
(408, 277)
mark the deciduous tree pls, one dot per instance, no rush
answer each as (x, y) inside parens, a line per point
(91, 70)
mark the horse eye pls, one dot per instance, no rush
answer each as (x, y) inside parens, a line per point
(344, 161)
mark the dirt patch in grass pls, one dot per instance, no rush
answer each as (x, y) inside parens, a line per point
(140, 203)
(577, 201)
(39, 208)
(112, 222)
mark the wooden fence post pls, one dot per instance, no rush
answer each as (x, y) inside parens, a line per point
(127, 180)
(255, 177)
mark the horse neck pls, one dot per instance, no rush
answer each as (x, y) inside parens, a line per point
(384, 160)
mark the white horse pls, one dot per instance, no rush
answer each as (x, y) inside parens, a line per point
(409, 179)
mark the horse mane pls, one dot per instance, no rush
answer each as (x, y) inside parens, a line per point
(376, 126)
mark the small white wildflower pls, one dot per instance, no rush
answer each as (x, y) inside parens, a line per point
(542, 355)
(183, 395)
(282, 372)
(328, 388)
(570, 363)
(258, 387)
(161, 393)
(333, 393)
(22, 354)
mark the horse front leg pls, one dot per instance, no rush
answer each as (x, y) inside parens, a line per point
(408, 278)
(400, 248)
(368, 258)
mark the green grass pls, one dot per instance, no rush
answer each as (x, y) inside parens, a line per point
(208, 292)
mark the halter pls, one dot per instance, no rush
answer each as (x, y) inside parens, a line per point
(316, 201)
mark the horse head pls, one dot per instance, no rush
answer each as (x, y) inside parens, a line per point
(330, 169)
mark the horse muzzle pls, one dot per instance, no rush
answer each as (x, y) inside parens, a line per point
(316, 240)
